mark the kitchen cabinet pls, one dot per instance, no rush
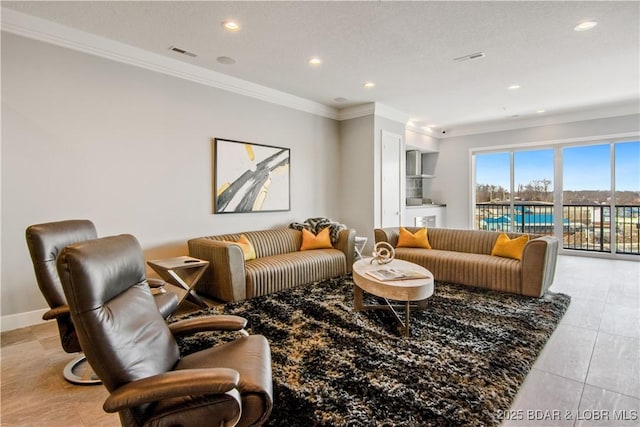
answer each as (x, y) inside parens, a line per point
(420, 170)
(425, 216)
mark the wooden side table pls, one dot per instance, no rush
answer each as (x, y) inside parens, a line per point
(183, 271)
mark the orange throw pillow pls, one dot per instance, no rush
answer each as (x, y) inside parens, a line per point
(407, 239)
(508, 248)
(320, 241)
(248, 250)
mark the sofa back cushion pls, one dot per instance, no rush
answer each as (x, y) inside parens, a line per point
(450, 239)
(277, 241)
(470, 241)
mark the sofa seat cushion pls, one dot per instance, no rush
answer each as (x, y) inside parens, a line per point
(486, 271)
(273, 273)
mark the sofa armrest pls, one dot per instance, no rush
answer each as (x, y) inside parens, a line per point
(347, 244)
(389, 235)
(539, 259)
(225, 277)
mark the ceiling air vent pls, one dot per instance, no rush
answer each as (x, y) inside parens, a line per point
(469, 57)
(182, 51)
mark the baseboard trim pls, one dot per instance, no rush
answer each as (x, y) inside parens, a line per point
(21, 320)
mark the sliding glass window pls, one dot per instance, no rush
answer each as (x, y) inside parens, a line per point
(627, 197)
(533, 184)
(586, 197)
(493, 194)
(529, 180)
(595, 204)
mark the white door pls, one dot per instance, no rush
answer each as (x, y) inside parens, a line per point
(391, 179)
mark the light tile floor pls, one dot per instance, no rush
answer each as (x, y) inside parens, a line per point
(587, 375)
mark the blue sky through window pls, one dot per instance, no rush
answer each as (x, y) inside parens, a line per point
(628, 166)
(493, 169)
(585, 167)
(532, 166)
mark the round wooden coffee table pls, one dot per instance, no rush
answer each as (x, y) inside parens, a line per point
(407, 291)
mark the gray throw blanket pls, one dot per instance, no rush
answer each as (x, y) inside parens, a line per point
(316, 225)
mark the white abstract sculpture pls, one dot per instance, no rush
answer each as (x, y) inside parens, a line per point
(383, 253)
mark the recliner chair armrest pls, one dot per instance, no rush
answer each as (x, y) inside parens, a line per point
(55, 312)
(221, 322)
(172, 384)
(155, 283)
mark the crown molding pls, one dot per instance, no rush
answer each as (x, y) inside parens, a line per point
(50, 32)
(356, 111)
(387, 112)
(372, 108)
(421, 131)
(621, 108)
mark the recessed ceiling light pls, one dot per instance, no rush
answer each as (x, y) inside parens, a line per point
(225, 60)
(369, 84)
(514, 87)
(584, 26)
(314, 61)
(231, 25)
(540, 111)
(340, 99)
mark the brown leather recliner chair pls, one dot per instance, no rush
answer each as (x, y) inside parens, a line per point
(45, 241)
(135, 354)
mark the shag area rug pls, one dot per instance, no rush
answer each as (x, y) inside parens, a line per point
(468, 353)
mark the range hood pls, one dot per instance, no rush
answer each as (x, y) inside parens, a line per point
(414, 163)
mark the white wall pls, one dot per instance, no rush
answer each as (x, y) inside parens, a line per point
(453, 173)
(85, 137)
(360, 187)
(357, 168)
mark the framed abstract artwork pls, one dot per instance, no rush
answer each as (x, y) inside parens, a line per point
(250, 177)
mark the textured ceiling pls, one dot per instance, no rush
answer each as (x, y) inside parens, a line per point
(407, 48)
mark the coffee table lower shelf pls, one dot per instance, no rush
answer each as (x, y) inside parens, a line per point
(393, 307)
(408, 293)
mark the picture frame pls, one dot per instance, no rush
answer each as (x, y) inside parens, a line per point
(249, 177)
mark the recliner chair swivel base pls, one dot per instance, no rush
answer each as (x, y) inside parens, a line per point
(78, 371)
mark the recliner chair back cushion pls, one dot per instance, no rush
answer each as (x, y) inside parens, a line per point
(120, 329)
(45, 241)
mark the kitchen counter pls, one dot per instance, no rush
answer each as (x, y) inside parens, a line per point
(426, 206)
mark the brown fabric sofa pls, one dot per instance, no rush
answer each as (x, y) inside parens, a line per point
(464, 257)
(279, 263)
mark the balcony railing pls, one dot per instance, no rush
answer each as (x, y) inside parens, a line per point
(585, 227)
